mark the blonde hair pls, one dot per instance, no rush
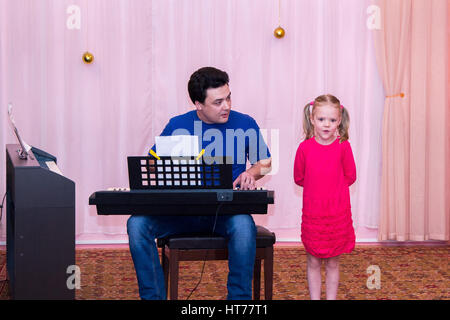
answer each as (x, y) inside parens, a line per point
(309, 109)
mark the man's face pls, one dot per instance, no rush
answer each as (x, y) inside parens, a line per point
(217, 105)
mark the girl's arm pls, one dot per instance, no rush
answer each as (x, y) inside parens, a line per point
(348, 162)
(299, 167)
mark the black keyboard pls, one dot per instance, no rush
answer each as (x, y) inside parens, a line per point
(181, 202)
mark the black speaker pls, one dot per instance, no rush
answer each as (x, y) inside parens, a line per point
(40, 231)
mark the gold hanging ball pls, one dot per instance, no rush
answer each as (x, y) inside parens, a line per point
(88, 57)
(279, 32)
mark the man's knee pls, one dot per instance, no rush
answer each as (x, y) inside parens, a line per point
(242, 225)
(138, 226)
(134, 223)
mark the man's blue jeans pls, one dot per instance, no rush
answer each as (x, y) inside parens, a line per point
(240, 231)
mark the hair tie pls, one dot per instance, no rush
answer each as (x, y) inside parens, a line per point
(311, 105)
(342, 107)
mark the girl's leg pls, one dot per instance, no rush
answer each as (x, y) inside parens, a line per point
(332, 277)
(314, 277)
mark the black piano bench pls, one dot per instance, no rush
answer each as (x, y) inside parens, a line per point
(200, 247)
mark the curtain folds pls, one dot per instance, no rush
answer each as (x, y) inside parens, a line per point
(93, 116)
(327, 49)
(411, 50)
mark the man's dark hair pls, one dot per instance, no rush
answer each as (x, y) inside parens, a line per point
(203, 79)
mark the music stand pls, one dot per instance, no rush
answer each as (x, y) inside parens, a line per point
(179, 173)
(25, 148)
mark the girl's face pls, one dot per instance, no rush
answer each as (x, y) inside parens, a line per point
(325, 119)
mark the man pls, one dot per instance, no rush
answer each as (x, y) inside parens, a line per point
(236, 135)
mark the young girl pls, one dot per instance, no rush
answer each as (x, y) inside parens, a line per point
(325, 168)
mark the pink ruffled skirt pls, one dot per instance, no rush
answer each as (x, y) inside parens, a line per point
(327, 231)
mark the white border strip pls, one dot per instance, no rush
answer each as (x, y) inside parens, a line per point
(90, 242)
(112, 242)
(299, 240)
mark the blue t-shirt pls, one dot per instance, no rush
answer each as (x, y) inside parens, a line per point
(238, 138)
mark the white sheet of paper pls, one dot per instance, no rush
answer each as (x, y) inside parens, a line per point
(177, 146)
(53, 167)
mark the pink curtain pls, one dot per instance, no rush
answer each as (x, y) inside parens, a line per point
(93, 116)
(89, 116)
(447, 187)
(411, 50)
(327, 48)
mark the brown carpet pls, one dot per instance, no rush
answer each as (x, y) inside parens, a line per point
(407, 272)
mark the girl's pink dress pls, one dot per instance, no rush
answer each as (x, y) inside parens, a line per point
(325, 172)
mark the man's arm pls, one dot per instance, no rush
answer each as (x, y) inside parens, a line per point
(247, 179)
